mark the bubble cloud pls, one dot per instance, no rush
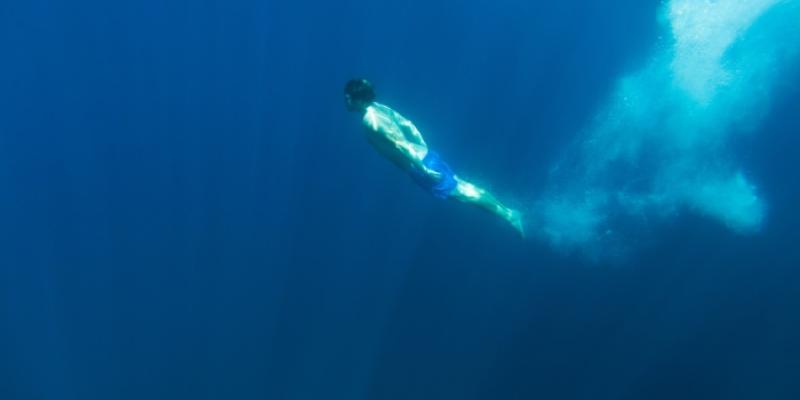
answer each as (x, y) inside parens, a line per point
(661, 144)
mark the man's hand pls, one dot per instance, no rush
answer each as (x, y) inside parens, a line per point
(435, 174)
(415, 154)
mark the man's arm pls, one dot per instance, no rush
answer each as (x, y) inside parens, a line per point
(398, 130)
(401, 133)
(414, 143)
(409, 129)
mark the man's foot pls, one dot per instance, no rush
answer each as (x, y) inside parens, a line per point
(515, 219)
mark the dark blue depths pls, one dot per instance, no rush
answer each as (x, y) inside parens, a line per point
(188, 211)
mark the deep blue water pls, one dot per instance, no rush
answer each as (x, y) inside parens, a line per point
(188, 211)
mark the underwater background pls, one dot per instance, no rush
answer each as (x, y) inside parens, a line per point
(187, 210)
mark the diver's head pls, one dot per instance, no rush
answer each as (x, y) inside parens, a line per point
(358, 94)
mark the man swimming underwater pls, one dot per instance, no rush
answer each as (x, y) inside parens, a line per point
(397, 139)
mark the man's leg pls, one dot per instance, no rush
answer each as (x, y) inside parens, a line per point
(469, 193)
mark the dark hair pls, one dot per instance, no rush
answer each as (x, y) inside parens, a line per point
(360, 90)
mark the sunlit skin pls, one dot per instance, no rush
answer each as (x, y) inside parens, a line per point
(397, 139)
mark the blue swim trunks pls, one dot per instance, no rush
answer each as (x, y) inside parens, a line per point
(439, 187)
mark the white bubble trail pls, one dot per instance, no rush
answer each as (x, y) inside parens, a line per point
(661, 144)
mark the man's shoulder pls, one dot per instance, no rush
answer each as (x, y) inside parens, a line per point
(388, 112)
(377, 114)
(381, 109)
(371, 117)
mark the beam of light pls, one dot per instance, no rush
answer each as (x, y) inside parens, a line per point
(661, 144)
